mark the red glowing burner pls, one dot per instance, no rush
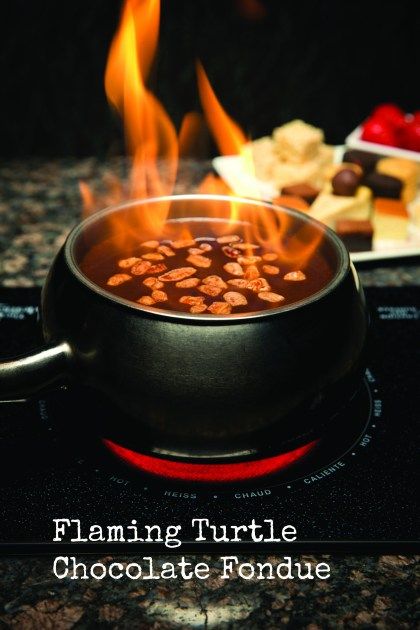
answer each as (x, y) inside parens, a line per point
(183, 471)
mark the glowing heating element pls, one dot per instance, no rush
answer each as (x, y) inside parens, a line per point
(183, 471)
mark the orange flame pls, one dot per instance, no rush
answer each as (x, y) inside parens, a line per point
(150, 134)
(213, 185)
(261, 226)
(155, 147)
(88, 198)
(228, 135)
(251, 9)
(193, 136)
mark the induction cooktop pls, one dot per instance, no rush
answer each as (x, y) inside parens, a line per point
(353, 489)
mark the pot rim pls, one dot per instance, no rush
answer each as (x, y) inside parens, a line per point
(343, 263)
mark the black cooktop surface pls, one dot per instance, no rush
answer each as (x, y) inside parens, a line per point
(355, 490)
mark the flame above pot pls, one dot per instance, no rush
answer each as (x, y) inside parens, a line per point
(155, 146)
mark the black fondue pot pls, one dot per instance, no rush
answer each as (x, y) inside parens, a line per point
(173, 383)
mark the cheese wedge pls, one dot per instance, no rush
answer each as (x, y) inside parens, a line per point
(390, 220)
(328, 207)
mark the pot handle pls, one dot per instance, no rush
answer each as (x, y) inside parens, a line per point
(33, 372)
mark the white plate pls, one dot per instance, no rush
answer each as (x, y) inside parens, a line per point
(354, 141)
(234, 170)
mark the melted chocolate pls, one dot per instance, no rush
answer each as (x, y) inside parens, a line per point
(101, 262)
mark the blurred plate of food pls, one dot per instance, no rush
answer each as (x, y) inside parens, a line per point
(354, 141)
(390, 131)
(372, 201)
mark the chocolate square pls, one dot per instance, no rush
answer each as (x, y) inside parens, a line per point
(367, 161)
(356, 235)
(384, 185)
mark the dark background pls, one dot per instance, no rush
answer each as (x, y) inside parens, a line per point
(326, 62)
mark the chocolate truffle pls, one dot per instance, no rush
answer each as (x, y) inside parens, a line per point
(356, 235)
(367, 161)
(305, 191)
(345, 182)
(384, 185)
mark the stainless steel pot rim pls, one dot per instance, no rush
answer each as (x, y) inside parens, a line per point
(343, 264)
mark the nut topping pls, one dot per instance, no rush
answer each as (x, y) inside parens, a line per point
(147, 300)
(126, 263)
(206, 247)
(188, 283)
(165, 250)
(235, 299)
(295, 276)
(234, 269)
(248, 260)
(140, 268)
(252, 272)
(157, 268)
(271, 270)
(152, 256)
(192, 300)
(210, 289)
(198, 308)
(117, 279)
(246, 246)
(258, 285)
(220, 308)
(178, 274)
(229, 239)
(196, 251)
(217, 281)
(243, 276)
(153, 283)
(231, 252)
(241, 283)
(269, 257)
(199, 261)
(159, 296)
(271, 297)
(183, 243)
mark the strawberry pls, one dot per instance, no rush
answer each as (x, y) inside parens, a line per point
(410, 134)
(390, 114)
(375, 130)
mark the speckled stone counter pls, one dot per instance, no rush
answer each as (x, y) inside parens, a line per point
(39, 203)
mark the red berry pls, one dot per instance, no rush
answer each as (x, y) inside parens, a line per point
(389, 114)
(410, 135)
(375, 130)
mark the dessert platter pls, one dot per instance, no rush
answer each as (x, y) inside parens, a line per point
(370, 199)
(389, 131)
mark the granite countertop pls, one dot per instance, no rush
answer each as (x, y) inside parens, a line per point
(39, 203)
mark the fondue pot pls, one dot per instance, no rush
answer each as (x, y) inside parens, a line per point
(172, 383)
